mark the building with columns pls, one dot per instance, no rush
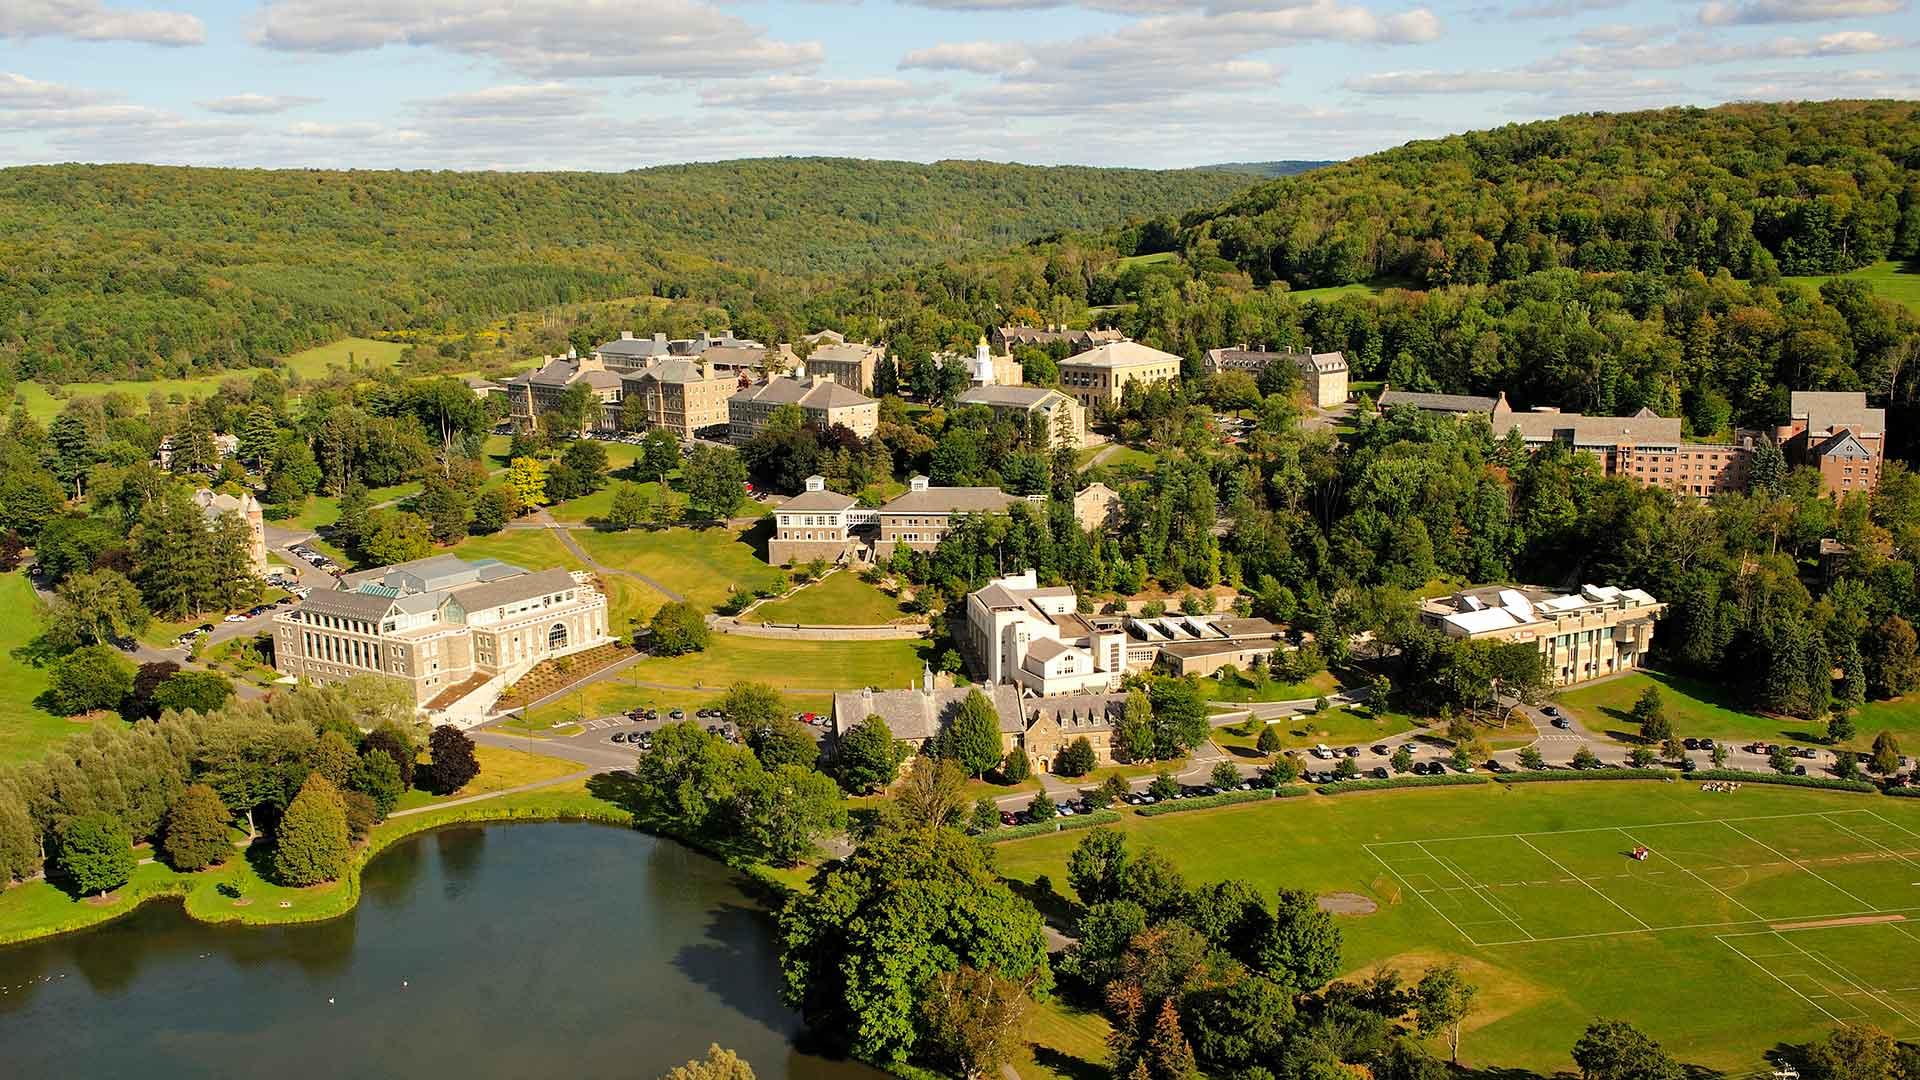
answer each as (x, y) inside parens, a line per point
(440, 625)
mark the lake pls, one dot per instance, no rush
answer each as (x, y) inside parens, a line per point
(491, 951)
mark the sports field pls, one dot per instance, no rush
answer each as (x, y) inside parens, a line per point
(1758, 917)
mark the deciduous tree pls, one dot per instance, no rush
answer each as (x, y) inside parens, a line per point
(311, 843)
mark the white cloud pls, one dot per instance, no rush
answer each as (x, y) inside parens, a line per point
(88, 20)
(1622, 34)
(544, 38)
(787, 93)
(256, 104)
(536, 101)
(1799, 85)
(19, 92)
(1562, 9)
(1733, 12)
(979, 57)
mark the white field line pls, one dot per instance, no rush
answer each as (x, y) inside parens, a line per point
(1468, 880)
(1864, 905)
(1689, 872)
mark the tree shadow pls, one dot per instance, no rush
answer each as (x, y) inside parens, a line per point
(1064, 1064)
(725, 963)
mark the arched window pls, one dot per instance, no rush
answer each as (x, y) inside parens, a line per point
(557, 637)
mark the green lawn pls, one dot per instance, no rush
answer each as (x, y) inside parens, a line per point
(615, 696)
(598, 505)
(1237, 687)
(1616, 938)
(500, 769)
(1341, 726)
(364, 353)
(703, 565)
(1698, 708)
(821, 666)
(26, 730)
(1890, 279)
(1145, 260)
(323, 510)
(310, 364)
(1362, 288)
(538, 549)
(841, 598)
(1123, 457)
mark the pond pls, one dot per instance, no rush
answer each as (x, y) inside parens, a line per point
(493, 951)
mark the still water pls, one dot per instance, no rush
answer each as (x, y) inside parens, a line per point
(496, 951)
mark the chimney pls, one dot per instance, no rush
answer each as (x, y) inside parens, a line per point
(659, 337)
(626, 335)
(918, 483)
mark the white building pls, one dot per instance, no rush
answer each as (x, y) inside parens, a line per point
(1035, 638)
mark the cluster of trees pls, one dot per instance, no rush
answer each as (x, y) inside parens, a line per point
(766, 800)
(313, 770)
(1218, 980)
(188, 273)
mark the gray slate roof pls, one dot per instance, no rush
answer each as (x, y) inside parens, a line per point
(918, 715)
(1441, 403)
(951, 500)
(1021, 397)
(1828, 410)
(346, 604)
(805, 393)
(514, 589)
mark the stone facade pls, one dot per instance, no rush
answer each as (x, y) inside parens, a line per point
(850, 365)
(681, 395)
(1024, 405)
(1322, 375)
(1102, 374)
(823, 402)
(246, 508)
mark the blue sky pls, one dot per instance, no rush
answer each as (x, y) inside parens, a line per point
(619, 84)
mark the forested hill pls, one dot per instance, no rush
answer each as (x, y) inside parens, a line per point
(1798, 188)
(134, 270)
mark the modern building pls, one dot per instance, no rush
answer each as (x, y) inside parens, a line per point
(1041, 726)
(1024, 404)
(534, 394)
(1101, 374)
(1006, 338)
(1034, 637)
(823, 402)
(246, 509)
(1439, 404)
(1323, 375)
(1200, 644)
(446, 627)
(682, 394)
(850, 364)
(1836, 433)
(1597, 631)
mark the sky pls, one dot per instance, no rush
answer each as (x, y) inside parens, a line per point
(612, 85)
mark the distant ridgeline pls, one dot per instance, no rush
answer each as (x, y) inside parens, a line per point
(125, 271)
(1266, 168)
(1798, 188)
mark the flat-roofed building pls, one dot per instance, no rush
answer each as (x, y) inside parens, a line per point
(1836, 433)
(1598, 631)
(681, 394)
(1200, 644)
(1034, 637)
(822, 402)
(851, 364)
(1322, 375)
(440, 625)
(1060, 414)
(1102, 374)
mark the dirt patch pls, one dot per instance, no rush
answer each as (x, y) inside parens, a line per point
(1348, 903)
(1857, 920)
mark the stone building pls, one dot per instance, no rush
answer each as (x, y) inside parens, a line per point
(822, 402)
(246, 508)
(1322, 375)
(1007, 338)
(850, 364)
(1025, 404)
(822, 524)
(444, 626)
(684, 395)
(1102, 374)
(1597, 631)
(1042, 727)
(532, 395)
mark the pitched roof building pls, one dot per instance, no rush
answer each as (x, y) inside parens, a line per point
(1041, 727)
(823, 402)
(850, 364)
(682, 394)
(822, 524)
(1323, 375)
(1102, 373)
(1007, 338)
(1059, 413)
(534, 394)
(1034, 637)
(1838, 434)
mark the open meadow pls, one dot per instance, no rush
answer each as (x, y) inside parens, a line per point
(1759, 916)
(1699, 709)
(1895, 281)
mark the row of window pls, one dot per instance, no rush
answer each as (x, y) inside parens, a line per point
(349, 651)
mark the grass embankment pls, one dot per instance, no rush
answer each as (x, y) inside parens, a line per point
(1588, 903)
(703, 565)
(26, 729)
(500, 769)
(819, 666)
(628, 599)
(839, 599)
(37, 909)
(1237, 687)
(1700, 709)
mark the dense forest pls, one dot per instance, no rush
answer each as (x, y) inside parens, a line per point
(142, 271)
(1804, 188)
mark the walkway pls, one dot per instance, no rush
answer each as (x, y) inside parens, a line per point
(535, 786)
(797, 632)
(565, 535)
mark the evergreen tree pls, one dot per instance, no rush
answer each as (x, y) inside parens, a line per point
(196, 835)
(1015, 769)
(971, 738)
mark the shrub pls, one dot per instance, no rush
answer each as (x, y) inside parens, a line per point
(1544, 776)
(677, 628)
(196, 834)
(1208, 802)
(1042, 808)
(1785, 780)
(1015, 768)
(361, 813)
(94, 853)
(1445, 780)
(1042, 828)
(377, 777)
(1269, 740)
(1077, 759)
(1164, 786)
(451, 764)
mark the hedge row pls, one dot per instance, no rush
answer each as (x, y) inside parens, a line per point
(1907, 792)
(1823, 782)
(1205, 802)
(1536, 776)
(1445, 780)
(1052, 825)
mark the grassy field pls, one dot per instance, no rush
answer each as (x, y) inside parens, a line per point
(323, 510)
(701, 564)
(1342, 726)
(26, 730)
(1123, 457)
(819, 666)
(500, 769)
(312, 363)
(1697, 708)
(839, 599)
(1890, 279)
(537, 549)
(1236, 687)
(1558, 926)
(1362, 288)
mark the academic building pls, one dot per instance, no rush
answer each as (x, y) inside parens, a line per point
(1102, 374)
(1597, 631)
(444, 626)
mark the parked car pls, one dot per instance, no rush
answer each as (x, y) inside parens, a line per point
(1380, 750)
(1352, 751)
(1691, 744)
(677, 714)
(619, 736)
(1799, 770)
(1561, 722)
(1550, 710)
(1006, 817)
(1380, 772)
